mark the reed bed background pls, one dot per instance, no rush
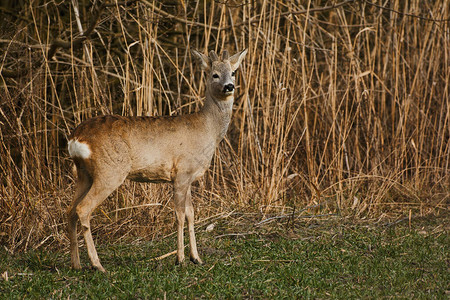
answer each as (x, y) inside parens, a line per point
(342, 107)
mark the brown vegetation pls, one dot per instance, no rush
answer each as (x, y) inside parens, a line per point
(342, 107)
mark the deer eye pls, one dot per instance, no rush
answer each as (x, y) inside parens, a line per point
(215, 76)
(233, 73)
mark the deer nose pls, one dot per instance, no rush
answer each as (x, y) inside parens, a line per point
(228, 88)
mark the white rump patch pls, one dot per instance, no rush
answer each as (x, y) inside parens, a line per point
(78, 149)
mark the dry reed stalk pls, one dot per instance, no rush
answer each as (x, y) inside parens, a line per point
(340, 108)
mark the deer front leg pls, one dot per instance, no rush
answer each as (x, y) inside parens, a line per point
(182, 187)
(180, 235)
(195, 258)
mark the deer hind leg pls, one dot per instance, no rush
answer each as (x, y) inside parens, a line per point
(100, 189)
(82, 186)
(195, 258)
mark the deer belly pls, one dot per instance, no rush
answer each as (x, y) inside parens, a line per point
(150, 175)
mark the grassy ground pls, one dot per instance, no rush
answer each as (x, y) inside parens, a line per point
(315, 259)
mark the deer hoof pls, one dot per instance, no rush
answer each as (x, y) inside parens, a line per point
(180, 262)
(197, 261)
(100, 269)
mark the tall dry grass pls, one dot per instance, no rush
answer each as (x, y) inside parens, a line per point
(342, 107)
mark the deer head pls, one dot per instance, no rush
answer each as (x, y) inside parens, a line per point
(220, 73)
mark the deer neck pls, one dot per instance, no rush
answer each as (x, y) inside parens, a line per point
(218, 113)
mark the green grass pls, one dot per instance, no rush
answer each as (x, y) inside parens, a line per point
(323, 259)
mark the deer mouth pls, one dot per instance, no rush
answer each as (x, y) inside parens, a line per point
(228, 89)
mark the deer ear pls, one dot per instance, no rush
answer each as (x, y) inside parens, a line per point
(236, 59)
(202, 58)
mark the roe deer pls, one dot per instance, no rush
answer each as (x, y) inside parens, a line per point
(108, 149)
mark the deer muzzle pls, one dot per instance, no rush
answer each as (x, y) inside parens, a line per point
(228, 88)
